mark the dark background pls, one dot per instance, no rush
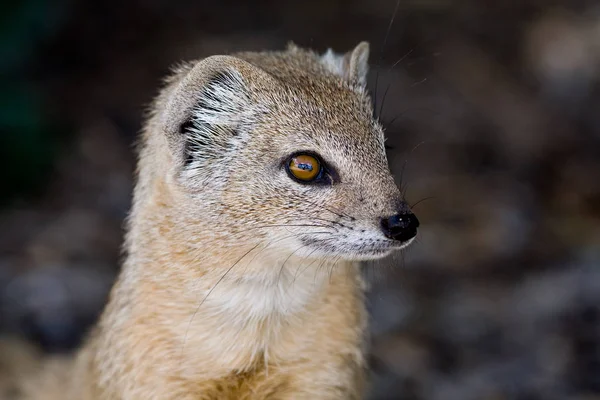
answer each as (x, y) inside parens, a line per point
(493, 112)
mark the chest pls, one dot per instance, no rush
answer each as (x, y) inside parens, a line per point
(274, 296)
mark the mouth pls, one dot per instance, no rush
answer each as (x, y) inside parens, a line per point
(366, 250)
(384, 250)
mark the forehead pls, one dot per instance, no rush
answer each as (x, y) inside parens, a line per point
(324, 115)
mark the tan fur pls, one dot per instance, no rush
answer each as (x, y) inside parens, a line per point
(240, 283)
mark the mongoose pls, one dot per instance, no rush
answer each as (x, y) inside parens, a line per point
(262, 181)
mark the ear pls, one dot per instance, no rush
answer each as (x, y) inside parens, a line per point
(207, 109)
(221, 107)
(352, 66)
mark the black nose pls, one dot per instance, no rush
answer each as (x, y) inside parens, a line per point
(401, 227)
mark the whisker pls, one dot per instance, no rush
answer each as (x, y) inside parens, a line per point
(332, 265)
(335, 211)
(335, 260)
(286, 260)
(404, 191)
(326, 260)
(389, 124)
(318, 269)
(383, 99)
(270, 243)
(387, 34)
(292, 226)
(210, 291)
(422, 200)
(406, 161)
(283, 238)
(305, 268)
(419, 82)
(388, 87)
(331, 222)
(408, 53)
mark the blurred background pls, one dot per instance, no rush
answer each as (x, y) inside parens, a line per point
(493, 118)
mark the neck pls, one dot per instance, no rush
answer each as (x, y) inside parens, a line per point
(228, 322)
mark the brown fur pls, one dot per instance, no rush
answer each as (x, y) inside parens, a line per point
(229, 289)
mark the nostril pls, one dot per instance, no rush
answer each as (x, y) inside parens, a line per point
(401, 227)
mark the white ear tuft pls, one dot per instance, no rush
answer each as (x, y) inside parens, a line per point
(222, 106)
(334, 62)
(352, 66)
(223, 100)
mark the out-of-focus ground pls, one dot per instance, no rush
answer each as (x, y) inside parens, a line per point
(493, 113)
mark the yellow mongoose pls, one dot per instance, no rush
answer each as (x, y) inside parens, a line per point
(262, 181)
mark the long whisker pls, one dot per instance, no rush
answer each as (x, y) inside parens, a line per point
(273, 242)
(305, 268)
(318, 269)
(292, 226)
(292, 235)
(331, 222)
(406, 162)
(419, 82)
(286, 260)
(322, 263)
(327, 260)
(420, 201)
(333, 267)
(408, 53)
(383, 99)
(210, 291)
(283, 238)
(333, 211)
(389, 124)
(339, 212)
(404, 190)
(388, 87)
(387, 34)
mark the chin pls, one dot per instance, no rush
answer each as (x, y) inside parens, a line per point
(375, 253)
(370, 255)
(351, 252)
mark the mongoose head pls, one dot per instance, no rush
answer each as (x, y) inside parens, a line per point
(281, 150)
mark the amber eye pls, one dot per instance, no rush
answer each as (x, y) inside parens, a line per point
(304, 167)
